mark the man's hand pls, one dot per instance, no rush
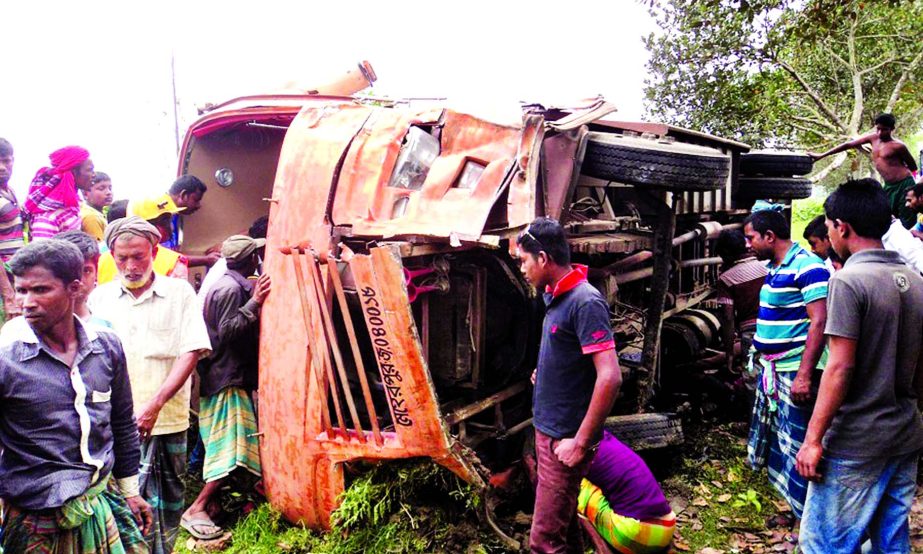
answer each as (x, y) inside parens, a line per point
(11, 308)
(147, 418)
(262, 288)
(569, 452)
(142, 512)
(212, 257)
(533, 376)
(801, 389)
(808, 459)
(814, 156)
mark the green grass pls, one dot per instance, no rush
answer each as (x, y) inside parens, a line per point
(727, 502)
(407, 506)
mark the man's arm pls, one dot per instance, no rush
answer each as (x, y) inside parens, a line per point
(10, 306)
(844, 147)
(907, 157)
(233, 318)
(833, 387)
(608, 380)
(206, 260)
(813, 349)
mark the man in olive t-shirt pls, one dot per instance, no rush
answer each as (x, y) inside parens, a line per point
(866, 434)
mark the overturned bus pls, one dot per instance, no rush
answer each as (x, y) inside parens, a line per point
(399, 324)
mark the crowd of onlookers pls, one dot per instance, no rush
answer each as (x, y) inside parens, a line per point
(103, 332)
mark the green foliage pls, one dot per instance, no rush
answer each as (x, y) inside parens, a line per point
(793, 73)
(803, 211)
(407, 506)
(749, 498)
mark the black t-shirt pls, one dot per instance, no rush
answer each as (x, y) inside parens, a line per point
(576, 326)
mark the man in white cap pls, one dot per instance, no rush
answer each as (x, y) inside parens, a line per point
(227, 420)
(159, 321)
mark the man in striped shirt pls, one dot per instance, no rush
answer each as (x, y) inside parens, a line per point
(10, 227)
(790, 342)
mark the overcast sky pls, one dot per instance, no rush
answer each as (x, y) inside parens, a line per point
(98, 74)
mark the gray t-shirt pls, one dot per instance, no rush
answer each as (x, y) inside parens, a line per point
(878, 301)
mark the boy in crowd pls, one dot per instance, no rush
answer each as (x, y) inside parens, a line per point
(95, 201)
(816, 235)
(866, 435)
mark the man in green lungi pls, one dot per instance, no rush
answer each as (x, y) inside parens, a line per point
(70, 464)
(893, 161)
(227, 420)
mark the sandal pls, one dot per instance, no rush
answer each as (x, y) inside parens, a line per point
(194, 526)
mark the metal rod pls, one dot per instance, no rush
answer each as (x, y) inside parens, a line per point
(700, 262)
(267, 126)
(311, 359)
(325, 353)
(335, 346)
(465, 412)
(357, 355)
(519, 427)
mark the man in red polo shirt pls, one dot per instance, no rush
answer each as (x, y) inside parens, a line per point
(576, 382)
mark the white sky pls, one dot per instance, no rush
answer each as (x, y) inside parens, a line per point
(98, 74)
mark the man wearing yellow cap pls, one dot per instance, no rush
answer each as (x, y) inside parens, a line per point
(159, 213)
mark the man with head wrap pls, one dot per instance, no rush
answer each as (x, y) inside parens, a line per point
(160, 323)
(53, 203)
(166, 261)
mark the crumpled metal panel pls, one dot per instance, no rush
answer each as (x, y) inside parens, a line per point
(287, 416)
(301, 461)
(439, 209)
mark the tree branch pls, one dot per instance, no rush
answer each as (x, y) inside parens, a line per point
(877, 66)
(858, 106)
(837, 57)
(896, 92)
(812, 131)
(814, 121)
(813, 94)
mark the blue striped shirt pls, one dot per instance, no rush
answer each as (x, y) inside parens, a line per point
(783, 322)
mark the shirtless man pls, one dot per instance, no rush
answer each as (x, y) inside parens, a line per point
(893, 161)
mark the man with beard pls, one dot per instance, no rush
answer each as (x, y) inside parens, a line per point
(162, 329)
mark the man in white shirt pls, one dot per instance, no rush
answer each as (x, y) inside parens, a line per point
(160, 323)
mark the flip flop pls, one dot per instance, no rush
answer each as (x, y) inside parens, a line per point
(191, 524)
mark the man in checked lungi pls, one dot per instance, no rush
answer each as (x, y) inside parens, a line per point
(69, 469)
(159, 321)
(789, 342)
(227, 421)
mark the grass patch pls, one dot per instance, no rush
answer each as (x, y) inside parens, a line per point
(723, 503)
(405, 506)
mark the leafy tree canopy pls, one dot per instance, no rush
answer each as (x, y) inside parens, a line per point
(787, 73)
